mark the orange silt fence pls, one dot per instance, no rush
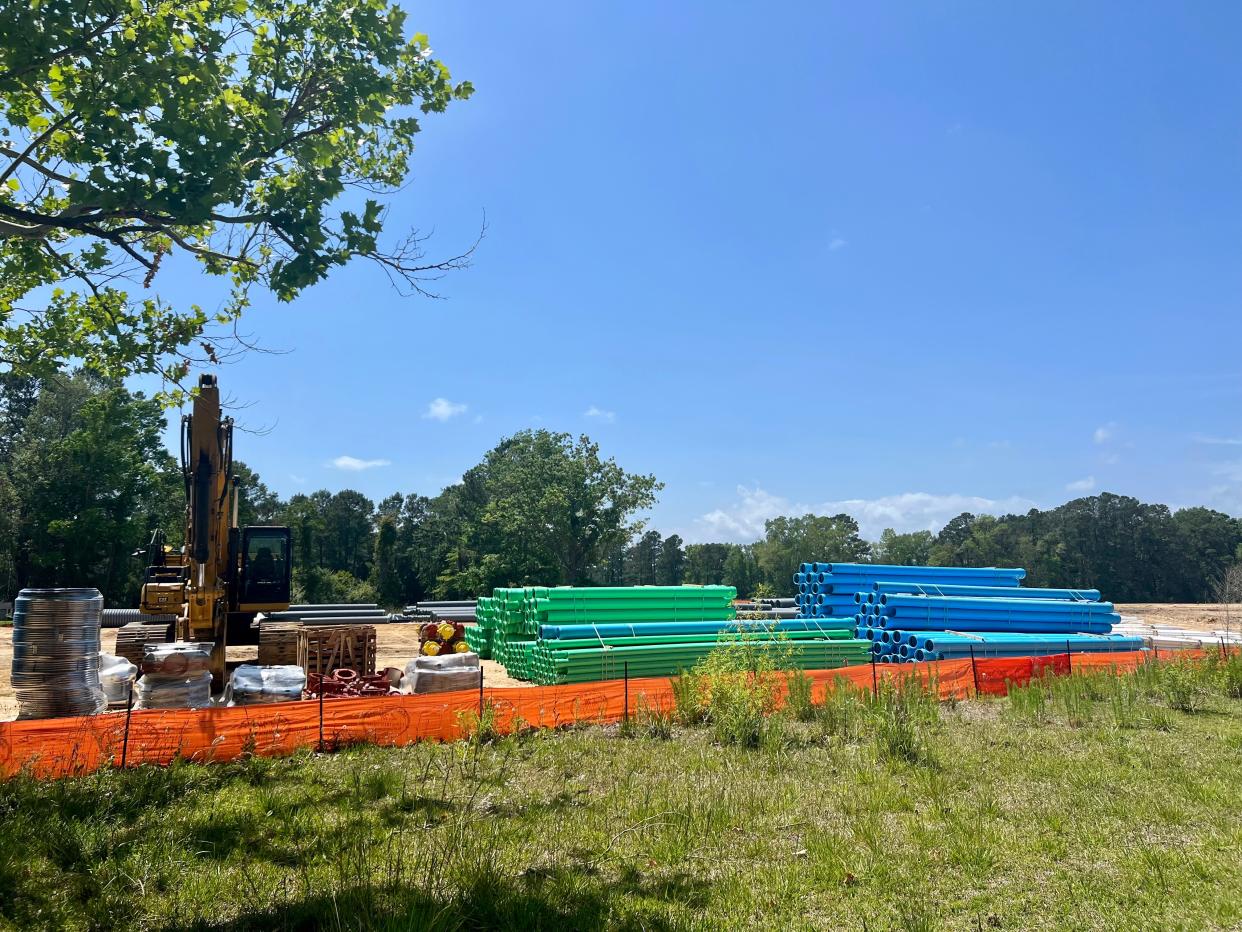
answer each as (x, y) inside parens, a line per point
(73, 746)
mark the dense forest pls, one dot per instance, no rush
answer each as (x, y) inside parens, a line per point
(85, 478)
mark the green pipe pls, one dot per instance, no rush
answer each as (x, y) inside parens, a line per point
(686, 613)
(641, 592)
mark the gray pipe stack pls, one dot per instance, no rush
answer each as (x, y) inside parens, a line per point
(335, 614)
(56, 653)
(462, 610)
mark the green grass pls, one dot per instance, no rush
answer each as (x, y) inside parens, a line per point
(1107, 803)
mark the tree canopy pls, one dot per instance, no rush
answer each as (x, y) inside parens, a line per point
(243, 134)
(85, 478)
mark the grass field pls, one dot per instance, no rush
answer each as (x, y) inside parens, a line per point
(1086, 803)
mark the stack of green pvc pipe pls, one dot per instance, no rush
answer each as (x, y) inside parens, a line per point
(554, 662)
(479, 635)
(656, 630)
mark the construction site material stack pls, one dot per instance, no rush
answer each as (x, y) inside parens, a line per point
(912, 619)
(575, 635)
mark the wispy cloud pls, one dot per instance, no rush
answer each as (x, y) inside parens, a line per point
(742, 521)
(1218, 441)
(1105, 432)
(1086, 484)
(300, 480)
(353, 464)
(441, 409)
(600, 414)
(837, 242)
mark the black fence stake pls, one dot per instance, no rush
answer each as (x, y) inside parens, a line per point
(974, 669)
(129, 710)
(626, 673)
(321, 713)
(875, 683)
(480, 693)
(1069, 658)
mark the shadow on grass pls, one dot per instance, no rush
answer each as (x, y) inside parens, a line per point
(489, 904)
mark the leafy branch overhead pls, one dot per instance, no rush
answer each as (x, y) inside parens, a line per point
(246, 134)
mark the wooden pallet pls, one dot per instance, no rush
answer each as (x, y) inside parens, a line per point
(132, 639)
(326, 648)
(278, 642)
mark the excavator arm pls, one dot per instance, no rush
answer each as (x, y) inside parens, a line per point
(222, 571)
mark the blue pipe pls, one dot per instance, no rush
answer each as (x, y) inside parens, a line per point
(959, 604)
(996, 592)
(863, 569)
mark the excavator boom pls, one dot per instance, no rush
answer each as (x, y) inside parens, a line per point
(224, 574)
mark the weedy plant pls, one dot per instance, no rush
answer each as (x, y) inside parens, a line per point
(741, 680)
(1028, 703)
(1071, 697)
(1185, 684)
(843, 712)
(648, 721)
(798, 699)
(479, 728)
(902, 713)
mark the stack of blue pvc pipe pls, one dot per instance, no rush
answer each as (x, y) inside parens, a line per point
(909, 622)
(828, 590)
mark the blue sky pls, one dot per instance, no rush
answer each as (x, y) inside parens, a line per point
(901, 260)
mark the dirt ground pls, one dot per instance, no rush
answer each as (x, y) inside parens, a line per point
(398, 643)
(395, 644)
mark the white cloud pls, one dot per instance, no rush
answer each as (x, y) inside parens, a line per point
(1105, 432)
(1218, 441)
(600, 413)
(300, 480)
(1086, 484)
(742, 521)
(353, 464)
(1230, 470)
(837, 242)
(441, 409)
(478, 419)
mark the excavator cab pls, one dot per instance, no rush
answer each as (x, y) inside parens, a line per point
(266, 569)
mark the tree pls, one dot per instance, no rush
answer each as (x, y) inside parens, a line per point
(87, 485)
(705, 563)
(225, 131)
(257, 504)
(789, 542)
(384, 576)
(741, 570)
(1207, 540)
(556, 507)
(642, 560)
(671, 563)
(912, 549)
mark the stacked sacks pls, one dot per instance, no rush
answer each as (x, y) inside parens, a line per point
(827, 590)
(175, 676)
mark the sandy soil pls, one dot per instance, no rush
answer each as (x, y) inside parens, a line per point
(1205, 617)
(398, 643)
(395, 644)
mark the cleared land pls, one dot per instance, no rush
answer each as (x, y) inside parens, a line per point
(1085, 803)
(398, 643)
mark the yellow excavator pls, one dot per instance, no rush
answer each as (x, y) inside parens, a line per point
(224, 575)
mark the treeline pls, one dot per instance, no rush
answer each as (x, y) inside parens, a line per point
(85, 478)
(1131, 551)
